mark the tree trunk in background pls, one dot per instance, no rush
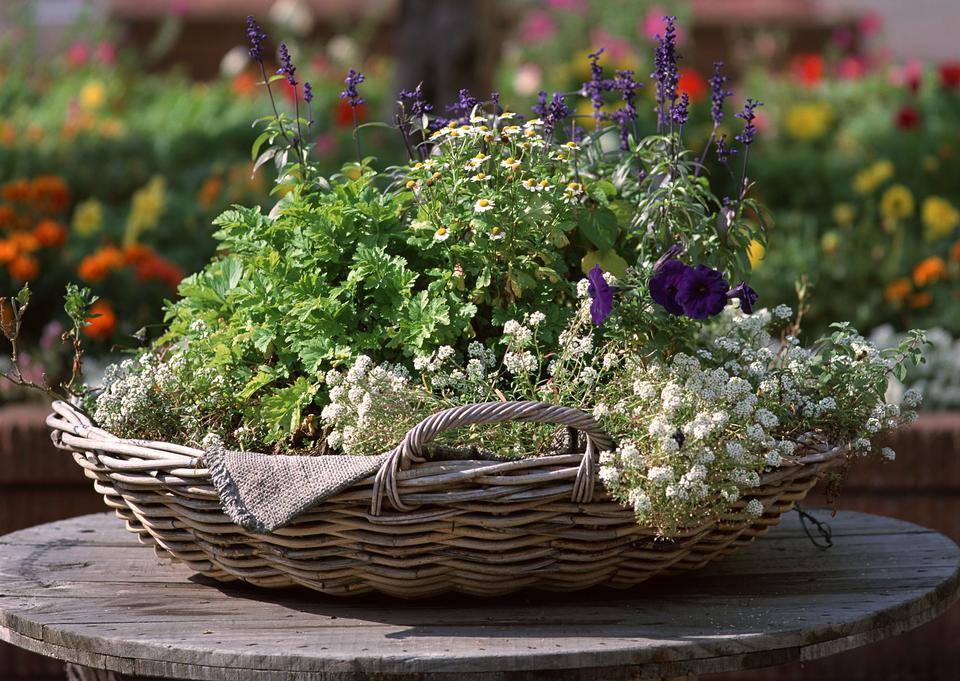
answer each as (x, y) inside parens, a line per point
(447, 45)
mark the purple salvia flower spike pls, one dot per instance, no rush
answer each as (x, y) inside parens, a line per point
(286, 65)
(351, 94)
(256, 37)
(718, 93)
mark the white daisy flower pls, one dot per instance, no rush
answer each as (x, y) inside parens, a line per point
(496, 233)
(483, 205)
(441, 234)
(510, 163)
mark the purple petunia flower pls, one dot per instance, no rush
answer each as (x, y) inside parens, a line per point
(602, 295)
(747, 296)
(353, 79)
(718, 93)
(665, 283)
(702, 292)
(256, 36)
(286, 65)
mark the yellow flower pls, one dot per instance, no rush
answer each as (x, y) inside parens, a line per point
(868, 179)
(92, 95)
(145, 211)
(808, 121)
(829, 242)
(755, 252)
(844, 214)
(897, 203)
(940, 218)
(88, 217)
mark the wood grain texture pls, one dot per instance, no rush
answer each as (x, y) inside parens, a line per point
(83, 591)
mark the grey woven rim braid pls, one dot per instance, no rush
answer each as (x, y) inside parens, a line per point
(477, 526)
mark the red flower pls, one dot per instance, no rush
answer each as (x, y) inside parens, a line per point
(102, 321)
(807, 68)
(692, 83)
(950, 75)
(343, 114)
(907, 118)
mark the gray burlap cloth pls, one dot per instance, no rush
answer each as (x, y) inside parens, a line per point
(262, 492)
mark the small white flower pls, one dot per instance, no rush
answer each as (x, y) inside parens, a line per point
(754, 508)
(782, 312)
(481, 177)
(601, 411)
(483, 205)
(442, 234)
(888, 454)
(773, 458)
(506, 116)
(536, 319)
(510, 163)
(912, 398)
(495, 233)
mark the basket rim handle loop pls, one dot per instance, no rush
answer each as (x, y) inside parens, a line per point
(411, 448)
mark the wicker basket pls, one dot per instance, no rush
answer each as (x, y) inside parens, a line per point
(475, 526)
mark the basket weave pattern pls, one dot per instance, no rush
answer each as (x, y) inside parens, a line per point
(474, 526)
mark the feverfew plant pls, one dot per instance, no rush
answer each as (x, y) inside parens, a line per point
(513, 257)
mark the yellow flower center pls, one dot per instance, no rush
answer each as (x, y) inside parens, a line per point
(483, 203)
(442, 231)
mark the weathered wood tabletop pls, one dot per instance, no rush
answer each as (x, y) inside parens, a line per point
(84, 591)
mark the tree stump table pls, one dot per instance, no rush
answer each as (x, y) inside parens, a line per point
(84, 591)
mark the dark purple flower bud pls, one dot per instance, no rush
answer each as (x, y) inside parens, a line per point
(540, 108)
(664, 284)
(556, 112)
(702, 292)
(723, 151)
(747, 115)
(414, 101)
(307, 92)
(596, 86)
(669, 254)
(286, 65)
(718, 93)
(495, 102)
(464, 104)
(679, 112)
(602, 295)
(256, 37)
(665, 72)
(679, 438)
(747, 296)
(353, 79)
(576, 133)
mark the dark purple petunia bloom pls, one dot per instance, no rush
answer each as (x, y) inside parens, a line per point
(353, 79)
(286, 65)
(747, 115)
(256, 36)
(718, 93)
(702, 292)
(664, 284)
(747, 296)
(602, 295)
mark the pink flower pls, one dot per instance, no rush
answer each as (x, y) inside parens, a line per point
(870, 24)
(616, 49)
(78, 55)
(851, 68)
(106, 53)
(527, 79)
(574, 6)
(842, 38)
(653, 24)
(537, 26)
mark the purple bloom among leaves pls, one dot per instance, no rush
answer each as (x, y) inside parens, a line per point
(748, 115)
(602, 295)
(596, 86)
(702, 292)
(556, 112)
(286, 65)
(540, 108)
(353, 79)
(414, 102)
(665, 283)
(747, 296)
(463, 107)
(256, 36)
(718, 93)
(679, 112)
(665, 70)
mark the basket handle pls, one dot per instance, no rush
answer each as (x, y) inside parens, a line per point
(410, 450)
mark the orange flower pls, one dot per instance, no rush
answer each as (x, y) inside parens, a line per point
(97, 266)
(955, 252)
(244, 83)
(50, 234)
(25, 242)
(8, 216)
(929, 270)
(693, 84)
(210, 191)
(898, 290)
(16, 191)
(159, 269)
(808, 68)
(24, 268)
(49, 194)
(8, 251)
(102, 321)
(134, 254)
(922, 299)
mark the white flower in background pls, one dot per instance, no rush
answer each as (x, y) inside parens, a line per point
(536, 319)
(510, 163)
(496, 233)
(519, 362)
(888, 454)
(442, 234)
(773, 458)
(601, 411)
(912, 398)
(660, 474)
(754, 508)
(782, 312)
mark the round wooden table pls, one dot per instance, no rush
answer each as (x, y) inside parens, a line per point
(84, 591)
